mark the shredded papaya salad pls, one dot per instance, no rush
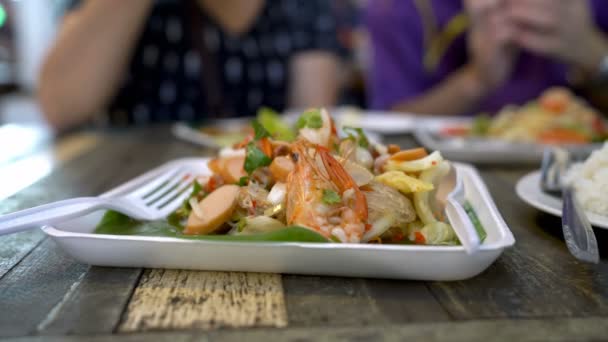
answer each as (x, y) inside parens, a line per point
(346, 188)
(556, 117)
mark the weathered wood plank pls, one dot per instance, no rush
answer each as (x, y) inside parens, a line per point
(105, 166)
(405, 301)
(550, 330)
(329, 301)
(536, 278)
(73, 179)
(32, 288)
(15, 247)
(180, 299)
(98, 302)
(335, 301)
(96, 305)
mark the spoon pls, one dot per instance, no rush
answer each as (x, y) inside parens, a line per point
(450, 198)
(578, 233)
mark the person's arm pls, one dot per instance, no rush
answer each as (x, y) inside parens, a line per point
(314, 65)
(457, 94)
(314, 81)
(84, 67)
(234, 16)
(401, 83)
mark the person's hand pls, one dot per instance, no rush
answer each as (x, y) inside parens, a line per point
(562, 29)
(492, 53)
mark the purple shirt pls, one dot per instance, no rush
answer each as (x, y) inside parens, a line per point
(397, 73)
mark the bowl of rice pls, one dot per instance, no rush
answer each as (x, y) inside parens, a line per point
(590, 181)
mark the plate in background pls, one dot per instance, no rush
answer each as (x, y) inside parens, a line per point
(482, 150)
(528, 189)
(226, 132)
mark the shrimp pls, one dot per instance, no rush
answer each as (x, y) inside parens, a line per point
(316, 171)
(326, 135)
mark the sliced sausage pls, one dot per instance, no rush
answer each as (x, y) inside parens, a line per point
(281, 167)
(216, 209)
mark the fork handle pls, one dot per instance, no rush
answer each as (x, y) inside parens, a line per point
(48, 213)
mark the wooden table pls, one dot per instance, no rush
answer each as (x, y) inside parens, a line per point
(534, 291)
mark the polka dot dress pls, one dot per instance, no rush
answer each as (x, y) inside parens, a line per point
(164, 80)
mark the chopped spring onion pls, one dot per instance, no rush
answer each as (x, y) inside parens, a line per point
(310, 119)
(357, 134)
(331, 197)
(255, 158)
(274, 125)
(259, 130)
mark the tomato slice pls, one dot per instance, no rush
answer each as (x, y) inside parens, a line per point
(555, 100)
(563, 136)
(419, 238)
(598, 126)
(455, 131)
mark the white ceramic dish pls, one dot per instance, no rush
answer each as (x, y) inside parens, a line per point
(382, 122)
(185, 132)
(377, 121)
(479, 150)
(528, 189)
(355, 260)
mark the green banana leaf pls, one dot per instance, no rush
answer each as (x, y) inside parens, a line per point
(115, 223)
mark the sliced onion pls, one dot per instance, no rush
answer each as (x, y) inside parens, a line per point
(277, 193)
(421, 199)
(261, 224)
(382, 200)
(439, 233)
(380, 162)
(381, 149)
(275, 210)
(422, 164)
(360, 174)
(195, 208)
(379, 227)
(231, 152)
(364, 158)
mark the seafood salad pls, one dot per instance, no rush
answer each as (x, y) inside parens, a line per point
(556, 117)
(344, 187)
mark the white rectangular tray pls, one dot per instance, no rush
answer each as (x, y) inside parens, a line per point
(480, 150)
(352, 260)
(375, 121)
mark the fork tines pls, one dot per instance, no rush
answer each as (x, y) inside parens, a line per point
(167, 190)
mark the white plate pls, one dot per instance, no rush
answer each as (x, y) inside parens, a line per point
(480, 150)
(354, 260)
(382, 122)
(377, 121)
(183, 131)
(528, 189)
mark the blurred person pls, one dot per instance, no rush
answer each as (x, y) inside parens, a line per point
(462, 57)
(351, 34)
(160, 60)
